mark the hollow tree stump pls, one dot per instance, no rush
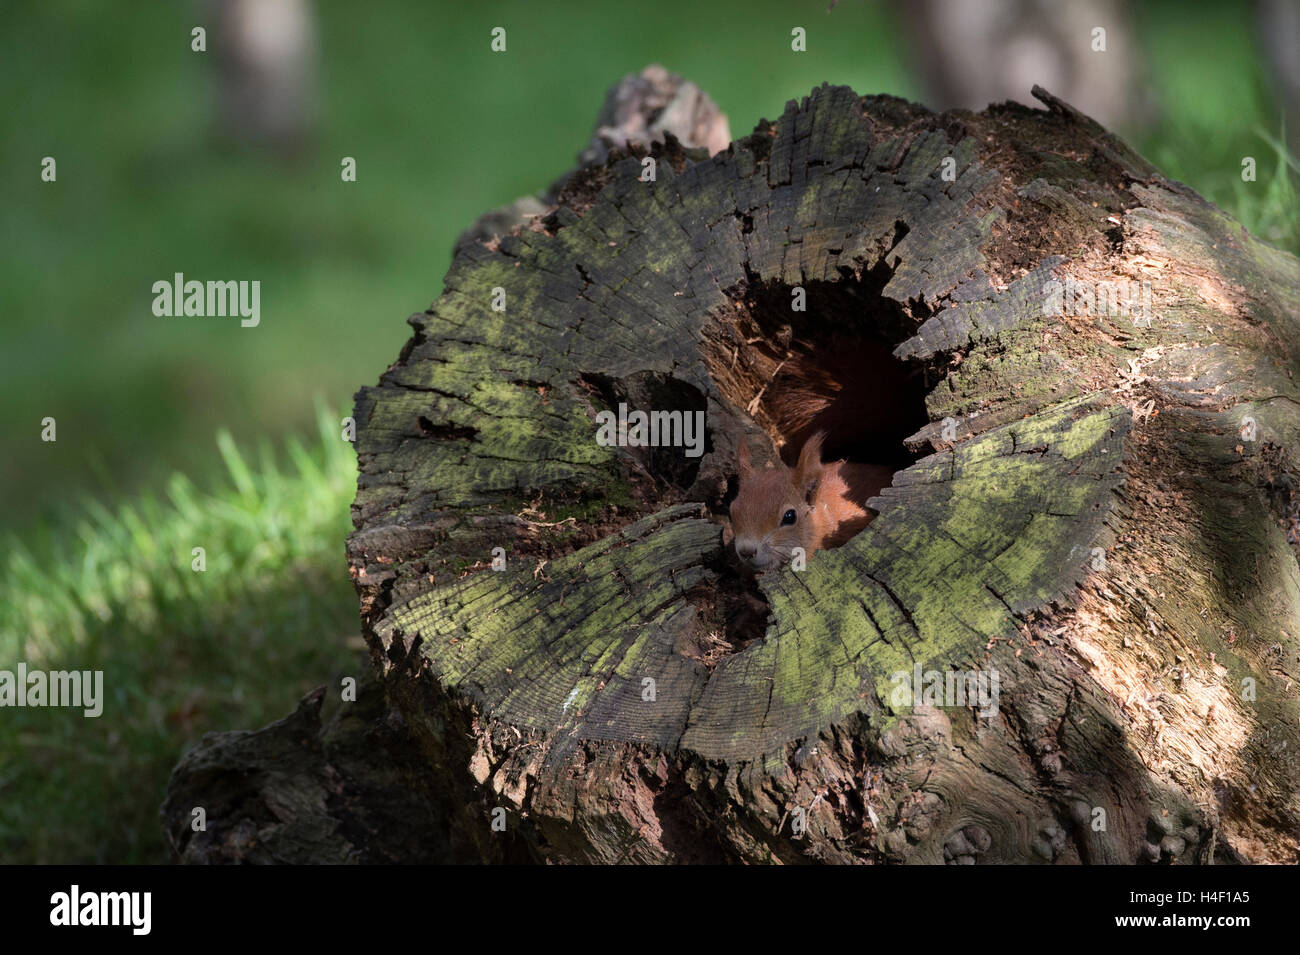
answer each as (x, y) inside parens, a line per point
(1099, 509)
(1104, 516)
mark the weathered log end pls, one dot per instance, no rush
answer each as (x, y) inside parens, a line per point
(1069, 635)
(1090, 516)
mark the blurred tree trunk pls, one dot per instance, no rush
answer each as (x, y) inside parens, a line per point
(977, 52)
(265, 54)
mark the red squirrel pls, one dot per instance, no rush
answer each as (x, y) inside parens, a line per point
(813, 505)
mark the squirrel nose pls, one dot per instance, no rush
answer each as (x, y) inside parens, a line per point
(746, 549)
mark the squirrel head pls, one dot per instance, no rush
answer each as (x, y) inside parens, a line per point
(774, 511)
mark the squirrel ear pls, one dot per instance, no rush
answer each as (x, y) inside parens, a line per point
(808, 471)
(742, 456)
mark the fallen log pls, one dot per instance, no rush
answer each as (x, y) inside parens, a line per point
(1068, 636)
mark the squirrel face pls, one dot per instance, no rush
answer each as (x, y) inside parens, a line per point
(775, 509)
(812, 505)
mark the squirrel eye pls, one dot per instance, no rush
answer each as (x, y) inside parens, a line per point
(789, 517)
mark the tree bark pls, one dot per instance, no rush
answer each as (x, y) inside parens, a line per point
(1100, 511)
(350, 788)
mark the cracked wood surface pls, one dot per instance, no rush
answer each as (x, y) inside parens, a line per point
(1091, 523)
(1053, 540)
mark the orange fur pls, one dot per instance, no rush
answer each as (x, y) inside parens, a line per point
(827, 500)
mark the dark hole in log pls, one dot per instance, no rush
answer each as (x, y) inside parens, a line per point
(836, 372)
(675, 412)
(733, 613)
(828, 367)
(446, 432)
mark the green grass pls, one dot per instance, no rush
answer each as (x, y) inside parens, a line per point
(183, 652)
(1214, 111)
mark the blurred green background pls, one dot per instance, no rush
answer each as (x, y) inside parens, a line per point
(102, 522)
